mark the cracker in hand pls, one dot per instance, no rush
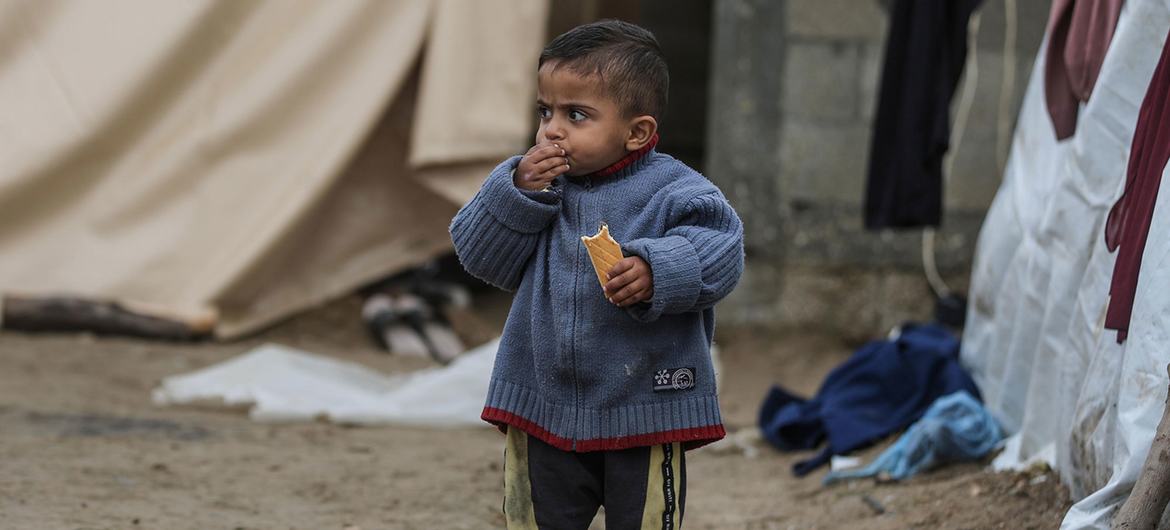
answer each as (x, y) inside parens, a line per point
(603, 251)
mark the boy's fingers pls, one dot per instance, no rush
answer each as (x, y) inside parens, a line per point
(552, 174)
(620, 298)
(539, 153)
(551, 163)
(621, 267)
(624, 273)
(548, 151)
(559, 170)
(632, 284)
(615, 284)
(631, 294)
(618, 279)
(625, 279)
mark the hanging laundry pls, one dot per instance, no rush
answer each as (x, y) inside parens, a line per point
(925, 53)
(1079, 32)
(955, 428)
(1128, 223)
(884, 387)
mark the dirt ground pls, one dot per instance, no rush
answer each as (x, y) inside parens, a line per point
(82, 447)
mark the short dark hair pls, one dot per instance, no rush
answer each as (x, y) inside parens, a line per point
(624, 55)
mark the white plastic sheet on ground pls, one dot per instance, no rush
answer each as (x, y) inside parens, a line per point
(1034, 338)
(284, 384)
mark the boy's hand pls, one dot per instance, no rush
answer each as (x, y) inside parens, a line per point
(629, 282)
(539, 166)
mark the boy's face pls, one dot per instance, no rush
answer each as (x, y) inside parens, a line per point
(576, 115)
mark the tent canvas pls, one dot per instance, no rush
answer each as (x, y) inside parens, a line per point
(1035, 338)
(248, 159)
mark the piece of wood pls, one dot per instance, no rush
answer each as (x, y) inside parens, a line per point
(1147, 502)
(37, 314)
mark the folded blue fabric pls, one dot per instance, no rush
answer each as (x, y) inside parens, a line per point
(955, 428)
(884, 387)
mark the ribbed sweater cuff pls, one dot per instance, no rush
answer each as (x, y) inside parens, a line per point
(674, 266)
(511, 207)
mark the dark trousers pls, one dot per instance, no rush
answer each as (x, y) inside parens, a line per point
(550, 489)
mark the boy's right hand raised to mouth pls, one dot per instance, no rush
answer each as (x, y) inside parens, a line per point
(539, 166)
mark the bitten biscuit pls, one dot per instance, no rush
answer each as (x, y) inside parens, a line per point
(603, 251)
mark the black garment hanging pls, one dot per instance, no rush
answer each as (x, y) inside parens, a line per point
(925, 53)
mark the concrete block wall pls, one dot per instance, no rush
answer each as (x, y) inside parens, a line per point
(793, 93)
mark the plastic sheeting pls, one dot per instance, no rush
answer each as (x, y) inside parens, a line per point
(248, 159)
(278, 383)
(1035, 338)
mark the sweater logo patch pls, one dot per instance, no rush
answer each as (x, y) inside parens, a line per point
(674, 379)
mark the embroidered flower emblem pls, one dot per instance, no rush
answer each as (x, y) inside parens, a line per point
(662, 377)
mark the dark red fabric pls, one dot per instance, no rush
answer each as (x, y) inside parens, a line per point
(1128, 224)
(1079, 32)
(690, 438)
(628, 159)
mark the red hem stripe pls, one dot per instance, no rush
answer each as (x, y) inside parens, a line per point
(691, 438)
(498, 417)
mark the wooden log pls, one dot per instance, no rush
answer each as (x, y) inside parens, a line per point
(62, 314)
(1147, 502)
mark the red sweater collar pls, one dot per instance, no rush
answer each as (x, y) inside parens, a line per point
(630, 158)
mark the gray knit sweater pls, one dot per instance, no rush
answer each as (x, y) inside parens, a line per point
(573, 369)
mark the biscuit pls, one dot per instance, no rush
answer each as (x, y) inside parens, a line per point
(603, 251)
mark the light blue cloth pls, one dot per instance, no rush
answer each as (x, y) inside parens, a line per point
(956, 427)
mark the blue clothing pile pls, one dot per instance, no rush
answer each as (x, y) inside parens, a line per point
(955, 428)
(883, 388)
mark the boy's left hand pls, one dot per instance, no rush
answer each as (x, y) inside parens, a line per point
(629, 282)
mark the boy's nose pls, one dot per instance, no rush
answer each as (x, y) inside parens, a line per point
(553, 132)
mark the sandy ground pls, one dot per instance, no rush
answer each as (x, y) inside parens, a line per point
(82, 447)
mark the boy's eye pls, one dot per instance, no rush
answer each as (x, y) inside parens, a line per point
(576, 115)
(543, 112)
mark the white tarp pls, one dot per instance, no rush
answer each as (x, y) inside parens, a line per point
(1034, 339)
(278, 383)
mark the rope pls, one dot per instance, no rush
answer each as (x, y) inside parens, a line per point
(966, 101)
(1007, 88)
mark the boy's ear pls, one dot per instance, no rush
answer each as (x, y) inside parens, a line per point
(642, 129)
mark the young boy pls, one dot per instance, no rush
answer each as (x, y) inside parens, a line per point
(601, 390)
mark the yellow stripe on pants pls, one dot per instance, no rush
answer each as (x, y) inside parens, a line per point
(517, 486)
(662, 489)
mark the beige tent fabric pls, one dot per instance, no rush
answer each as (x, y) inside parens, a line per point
(244, 157)
(475, 129)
